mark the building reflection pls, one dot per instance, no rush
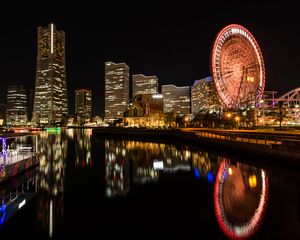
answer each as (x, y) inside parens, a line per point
(141, 163)
(116, 168)
(15, 194)
(50, 208)
(149, 158)
(205, 165)
(70, 133)
(240, 199)
(83, 145)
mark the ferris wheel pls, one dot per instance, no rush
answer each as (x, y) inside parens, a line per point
(237, 67)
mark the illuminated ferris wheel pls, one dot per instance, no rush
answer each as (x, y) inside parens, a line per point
(237, 67)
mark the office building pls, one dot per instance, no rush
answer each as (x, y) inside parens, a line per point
(16, 105)
(176, 99)
(83, 103)
(50, 99)
(142, 84)
(116, 90)
(204, 96)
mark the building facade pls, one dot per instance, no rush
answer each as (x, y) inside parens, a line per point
(83, 103)
(16, 105)
(146, 111)
(50, 99)
(176, 99)
(2, 114)
(204, 96)
(142, 84)
(116, 90)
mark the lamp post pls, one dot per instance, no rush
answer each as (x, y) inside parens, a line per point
(185, 121)
(237, 119)
(228, 117)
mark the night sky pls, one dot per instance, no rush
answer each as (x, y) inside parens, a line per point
(173, 43)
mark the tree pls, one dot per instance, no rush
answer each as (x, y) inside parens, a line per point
(279, 114)
(179, 121)
(169, 118)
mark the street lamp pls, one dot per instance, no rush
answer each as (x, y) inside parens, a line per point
(237, 119)
(228, 115)
(185, 121)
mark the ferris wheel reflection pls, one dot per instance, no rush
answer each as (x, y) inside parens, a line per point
(240, 199)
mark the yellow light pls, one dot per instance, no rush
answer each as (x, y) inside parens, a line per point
(252, 181)
(228, 115)
(250, 79)
(230, 171)
(52, 36)
(237, 118)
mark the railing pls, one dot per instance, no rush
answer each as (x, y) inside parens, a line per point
(288, 140)
(14, 156)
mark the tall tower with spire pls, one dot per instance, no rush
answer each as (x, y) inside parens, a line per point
(50, 98)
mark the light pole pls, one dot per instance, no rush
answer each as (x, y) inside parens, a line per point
(237, 119)
(185, 121)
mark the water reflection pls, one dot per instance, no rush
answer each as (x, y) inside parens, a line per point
(16, 193)
(145, 160)
(50, 207)
(240, 199)
(83, 146)
(116, 168)
(162, 176)
(240, 190)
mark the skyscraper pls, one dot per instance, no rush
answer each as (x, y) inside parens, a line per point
(204, 95)
(16, 105)
(30, 100)
(83, 103)
(142, 84)
(176, 99)
(116, 90)
(50, 99)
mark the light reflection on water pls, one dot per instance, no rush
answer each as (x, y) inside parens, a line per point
(148, 159)
(50, 200)
(239, 203)
(239, 192)
(240, 199)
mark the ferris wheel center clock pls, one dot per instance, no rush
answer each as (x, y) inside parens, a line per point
(237, 67)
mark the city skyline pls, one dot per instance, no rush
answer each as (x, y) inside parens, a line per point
(178, 51)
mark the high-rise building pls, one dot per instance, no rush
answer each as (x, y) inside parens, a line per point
(2, 114)
(50, 99)
(16, 105)
(142, 84)
(176, 99)
(83, 103)
(30, 100)
(204, 95)
(116, 90)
